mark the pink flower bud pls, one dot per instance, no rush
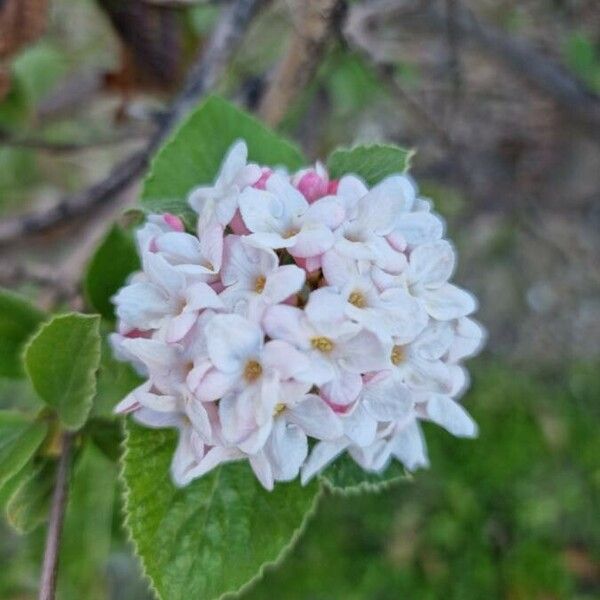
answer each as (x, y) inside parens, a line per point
(313, 186)
(174, 222)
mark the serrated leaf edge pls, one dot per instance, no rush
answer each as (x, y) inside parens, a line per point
(229, 594)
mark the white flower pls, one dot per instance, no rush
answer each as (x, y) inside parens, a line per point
(164, 300)
(219, 201)
(338, 350)
(252, 357)
(280, 217)
(254, 280)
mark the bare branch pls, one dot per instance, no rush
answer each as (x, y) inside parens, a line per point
(314, 24)
(579, 103)
(56, 519)
(203, 75)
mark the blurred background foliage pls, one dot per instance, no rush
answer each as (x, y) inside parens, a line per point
(512, 515)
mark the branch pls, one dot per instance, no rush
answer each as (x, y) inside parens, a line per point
(315, 21)
(203, 75)
(38, 143)
(579, 103)
(56, 519)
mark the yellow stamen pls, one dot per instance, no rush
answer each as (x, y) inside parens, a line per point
(322, 344)
(252, 371)
(259, 285)
(279, 408)
(398, 355)
(289, 233)
(358, 299)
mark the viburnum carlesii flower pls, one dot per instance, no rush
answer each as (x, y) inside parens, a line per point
(219, 201)
(301, 313)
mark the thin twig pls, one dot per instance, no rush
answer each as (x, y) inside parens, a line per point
(37, 143)
(56, 519)
(203, 75)
(314, 24)
(577, 101)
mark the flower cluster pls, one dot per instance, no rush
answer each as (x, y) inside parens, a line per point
(300, 307)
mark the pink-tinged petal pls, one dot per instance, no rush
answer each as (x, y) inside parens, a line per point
(293, 201)
(159, 402)
(232, 340)
(311, 264)
(155, 354)
(260, 211)
(408, 446)
(285, 360)
(174, 222)
(196, 375)
(388, 258)
(283, 282)
(431, 375)
(213, 458)
(362, 353)
(387, 400)
(179, 247)
(215, 384)
(432, 264)
(286, 449)
(198, 416)
(378, 211)
(311, 240)
(344, 388)
(243, 263)
(180, 326)
(261, 183)
(419, 228)
(156, 420)
(162, 274)
(404, 316)
(314, 416)
(328, 211)
(360, 426)
(450, 415)
(287, 323)
(312, 186)
(262, 469)
(255, 442)
(448, 302)
(270, 240)
(131, 402)
(184, 458)
(200, 296)
(469, 338)
(236, 412)
(211, 245)
(325, 306)
(249, 175)
(396, 241)
(141, 305)
(323, 454)
(338, 269)
(237, 224)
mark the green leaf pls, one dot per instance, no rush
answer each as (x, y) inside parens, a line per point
(107, 437)
(86, 539)
(194, 153)
(10, 487)
(344, 475)
(20, 437)
(213, 536)
(115, 258)
(18, 320)
(30, 503)
(61, 361)
(372, 163)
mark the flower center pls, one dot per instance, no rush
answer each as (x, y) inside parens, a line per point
(322, 344)
(252, 371)
(398, 355)
(290, 233)
(358, 299)
(259, 284)
(279, 408)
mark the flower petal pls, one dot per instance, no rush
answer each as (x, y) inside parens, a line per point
(315, 418)
(448, 302)
(451, 416)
